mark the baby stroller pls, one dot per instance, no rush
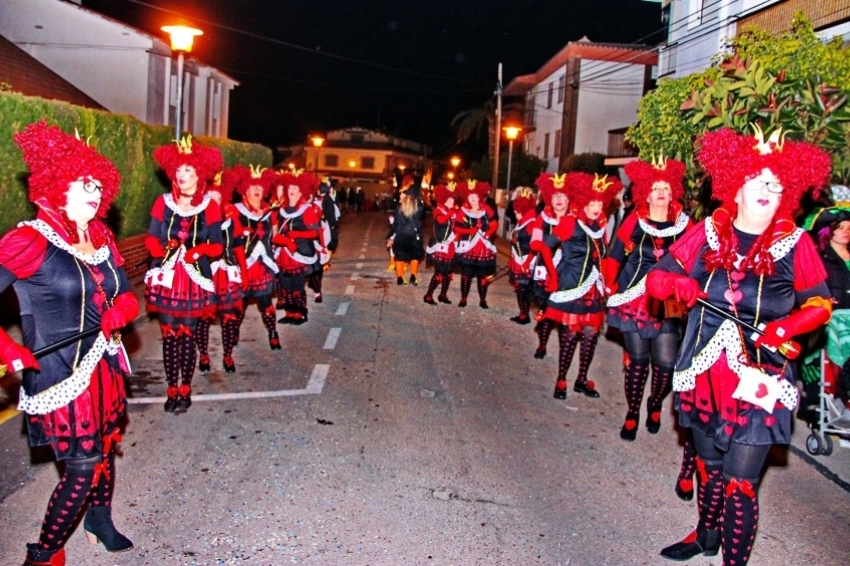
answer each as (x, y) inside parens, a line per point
(827, 415)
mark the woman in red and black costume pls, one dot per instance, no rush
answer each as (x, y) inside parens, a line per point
(183, 237)
(475, 226)
(640, 243)
(556, 209)
(68, 276)
(522, 256)
(295, 232)
(441, 246)
(576, 302)
(229, 275)
(256, 219)
(749, 260)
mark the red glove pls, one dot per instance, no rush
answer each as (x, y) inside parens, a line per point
(209, 250)
(778, 332)
(304, 234)
(284, 241)
(663, 284)
(610, 270)
(124, 309)
(14, 356)
(526, 266)
(154, 247)
(551, 284)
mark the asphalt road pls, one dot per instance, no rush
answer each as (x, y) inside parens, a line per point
(388, 432)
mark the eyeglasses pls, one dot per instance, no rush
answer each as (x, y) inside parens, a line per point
(91, 186)
(772, 187)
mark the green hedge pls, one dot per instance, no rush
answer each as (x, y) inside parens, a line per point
(125, 140)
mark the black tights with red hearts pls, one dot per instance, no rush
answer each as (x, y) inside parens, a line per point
(69, 497)
(432, 285)
(735, 499)
(636, 371)
(544, 330)
(688, 467)
(230, 320)
(523, 299)
(202, 336)
(444, 287)
(465, 286)
(178, 352)
(314, 281)
(567, 341)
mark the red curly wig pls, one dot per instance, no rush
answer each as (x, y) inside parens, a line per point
(585, 188)
(525, 202)
(206, 161)
(731, 159)
(473, 187)
(307, 182)
(442, 193)
(551, 183)
(254, 176)
(643, 175)
(56, 159)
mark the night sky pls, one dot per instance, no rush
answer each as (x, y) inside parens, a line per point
(406, 67)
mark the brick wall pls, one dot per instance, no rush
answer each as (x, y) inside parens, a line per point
(777, 18)
(134, 252)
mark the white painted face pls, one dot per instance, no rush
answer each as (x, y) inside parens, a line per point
(593, 209)
(254, 195)
(473, 200)
(215, 195)
(841, 235)
(560, 202)
(187, 180)
(82, 200)
(661, 195)
(293, 193)
(759, 198)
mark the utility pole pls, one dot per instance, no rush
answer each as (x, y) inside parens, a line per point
(498, 133)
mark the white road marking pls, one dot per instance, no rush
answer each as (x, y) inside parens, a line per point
(315, 385)
(355, 276)
(342, 309)
(349, 290)
(362, 256)
(358, 266)
(333, 336)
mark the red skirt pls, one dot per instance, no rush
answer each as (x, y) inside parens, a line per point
(184, 298)
(77, 430)
(260, 280)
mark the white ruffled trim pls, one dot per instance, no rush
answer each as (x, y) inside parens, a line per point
(628, 295)
(777, 251)
(193, 272)
(300, 258)
(523, 225)
(260, 253)
(69, 389)
(568, 295)
(169, 202)
(677, 228)
(726, 338)
(43, 228)
(465, 245)
(295, 214)
(548, 219)
(226, 224)
(440, 247)
(519, 259)
(251, 216)
(471, 214)
(595, 235)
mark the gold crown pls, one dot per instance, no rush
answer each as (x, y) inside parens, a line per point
(256, 172)
(451, 186)
(471, 184)
(660, 163)
(184, 145)
(774, 142)
(217, 179)
(600, 184)
(559, 180)
(526, 192)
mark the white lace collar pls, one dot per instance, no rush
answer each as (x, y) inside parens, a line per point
(43, 228)
(595, 235)
(169, 202)
(471, 214)
(295, 214)
(777, 251)
(255, 217)
(677, 228)
(524, 224)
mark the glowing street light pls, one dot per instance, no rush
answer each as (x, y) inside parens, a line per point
(317, 143)
(455, 161)
(352, 164)
(182, 38)
(511, 132)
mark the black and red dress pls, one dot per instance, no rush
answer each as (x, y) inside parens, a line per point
(257, 246)
(297, 261)
(76, 400)
(181, 291)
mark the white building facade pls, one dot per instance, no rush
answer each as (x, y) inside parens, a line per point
(122, 68)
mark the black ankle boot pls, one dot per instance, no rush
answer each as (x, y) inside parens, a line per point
(585, 388)
(701, 541)
(204, 363)
(99, 528)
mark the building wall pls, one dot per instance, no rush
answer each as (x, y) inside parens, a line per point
(608, 96)
(696, 32)
(778, 18)
(93, 53)
(548, 119)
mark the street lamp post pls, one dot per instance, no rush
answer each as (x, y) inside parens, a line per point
(317, 143)
(511, 132)
(182, 38)
(352, 164)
